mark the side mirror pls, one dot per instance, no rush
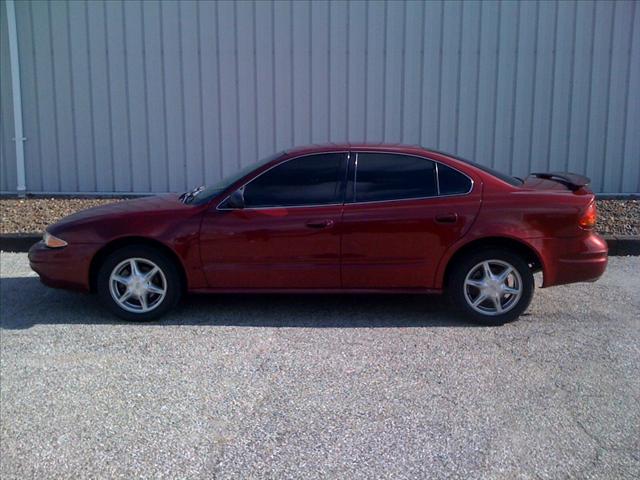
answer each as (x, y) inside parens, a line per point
(235, 200)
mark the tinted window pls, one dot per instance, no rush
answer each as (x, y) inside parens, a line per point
(211, 191)
(451, 181)
(310, 180)
(383, 176)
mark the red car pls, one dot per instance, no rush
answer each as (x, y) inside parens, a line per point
(338, 218)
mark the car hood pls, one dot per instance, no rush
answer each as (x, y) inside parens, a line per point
(138, 205)
(146, 205)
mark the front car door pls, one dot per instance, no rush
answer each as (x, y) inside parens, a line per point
(402, 213)
(286, 236)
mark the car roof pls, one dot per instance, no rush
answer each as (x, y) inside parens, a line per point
(465, 166)
(376, 147)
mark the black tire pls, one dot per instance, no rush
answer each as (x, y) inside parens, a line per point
(170, 279)
(459, 292)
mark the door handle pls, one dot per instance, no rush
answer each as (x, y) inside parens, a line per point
(447, 218)
(320, 224)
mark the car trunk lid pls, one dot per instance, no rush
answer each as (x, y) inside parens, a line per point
(577, 196)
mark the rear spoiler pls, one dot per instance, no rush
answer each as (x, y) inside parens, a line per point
(572, 180)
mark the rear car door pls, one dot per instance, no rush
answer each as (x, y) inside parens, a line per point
(398, 221)
(286, 236)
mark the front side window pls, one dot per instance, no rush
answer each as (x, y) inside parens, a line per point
(308, 180)
(385, 176)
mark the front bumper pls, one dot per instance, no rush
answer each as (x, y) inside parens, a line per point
(66, 267)
(571, 260)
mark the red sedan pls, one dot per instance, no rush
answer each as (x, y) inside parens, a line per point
(338, 218)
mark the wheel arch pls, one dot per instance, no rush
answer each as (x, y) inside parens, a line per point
(527, 251)
(128, 241)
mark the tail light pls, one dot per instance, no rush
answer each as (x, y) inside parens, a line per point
(588, 218)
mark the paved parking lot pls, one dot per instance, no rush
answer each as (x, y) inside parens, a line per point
(321, 386)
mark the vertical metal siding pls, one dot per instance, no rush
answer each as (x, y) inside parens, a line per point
(153, 96)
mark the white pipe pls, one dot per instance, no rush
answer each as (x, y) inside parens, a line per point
(17, 97)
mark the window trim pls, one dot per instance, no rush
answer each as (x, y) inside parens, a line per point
(353, 201)
(341, 191)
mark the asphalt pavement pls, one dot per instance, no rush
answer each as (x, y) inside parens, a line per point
(268, 386)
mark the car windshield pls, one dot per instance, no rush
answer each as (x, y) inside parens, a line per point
(203, 194)
(515, 181)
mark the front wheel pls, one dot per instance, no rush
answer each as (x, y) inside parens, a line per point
(492, 287)
(138, 283)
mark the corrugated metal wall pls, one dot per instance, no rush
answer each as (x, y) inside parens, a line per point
(158, 96)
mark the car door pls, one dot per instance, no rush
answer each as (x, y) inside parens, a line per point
(395, 224)
(286, 236)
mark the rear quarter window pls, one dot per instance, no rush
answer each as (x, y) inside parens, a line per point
(451, 181)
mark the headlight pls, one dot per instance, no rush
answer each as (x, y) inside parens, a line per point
(53, 242)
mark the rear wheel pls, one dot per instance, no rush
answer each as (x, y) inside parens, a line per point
(492, 286)
(139, 283)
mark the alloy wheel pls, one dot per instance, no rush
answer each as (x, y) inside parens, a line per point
(138, 285)
(493, 287)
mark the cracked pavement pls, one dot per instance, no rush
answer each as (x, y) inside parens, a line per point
(267, 386)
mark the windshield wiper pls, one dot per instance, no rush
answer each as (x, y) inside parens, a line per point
(188, 197)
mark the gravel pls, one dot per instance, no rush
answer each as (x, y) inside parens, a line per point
(615, 217)
(32, 215)
(320, 386)
(618, 217)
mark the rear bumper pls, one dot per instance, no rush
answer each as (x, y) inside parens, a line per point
(66, 267)
(571, 260)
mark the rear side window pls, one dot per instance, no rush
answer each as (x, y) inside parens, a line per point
(309, 180)
(384, 176)
(451, 181)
